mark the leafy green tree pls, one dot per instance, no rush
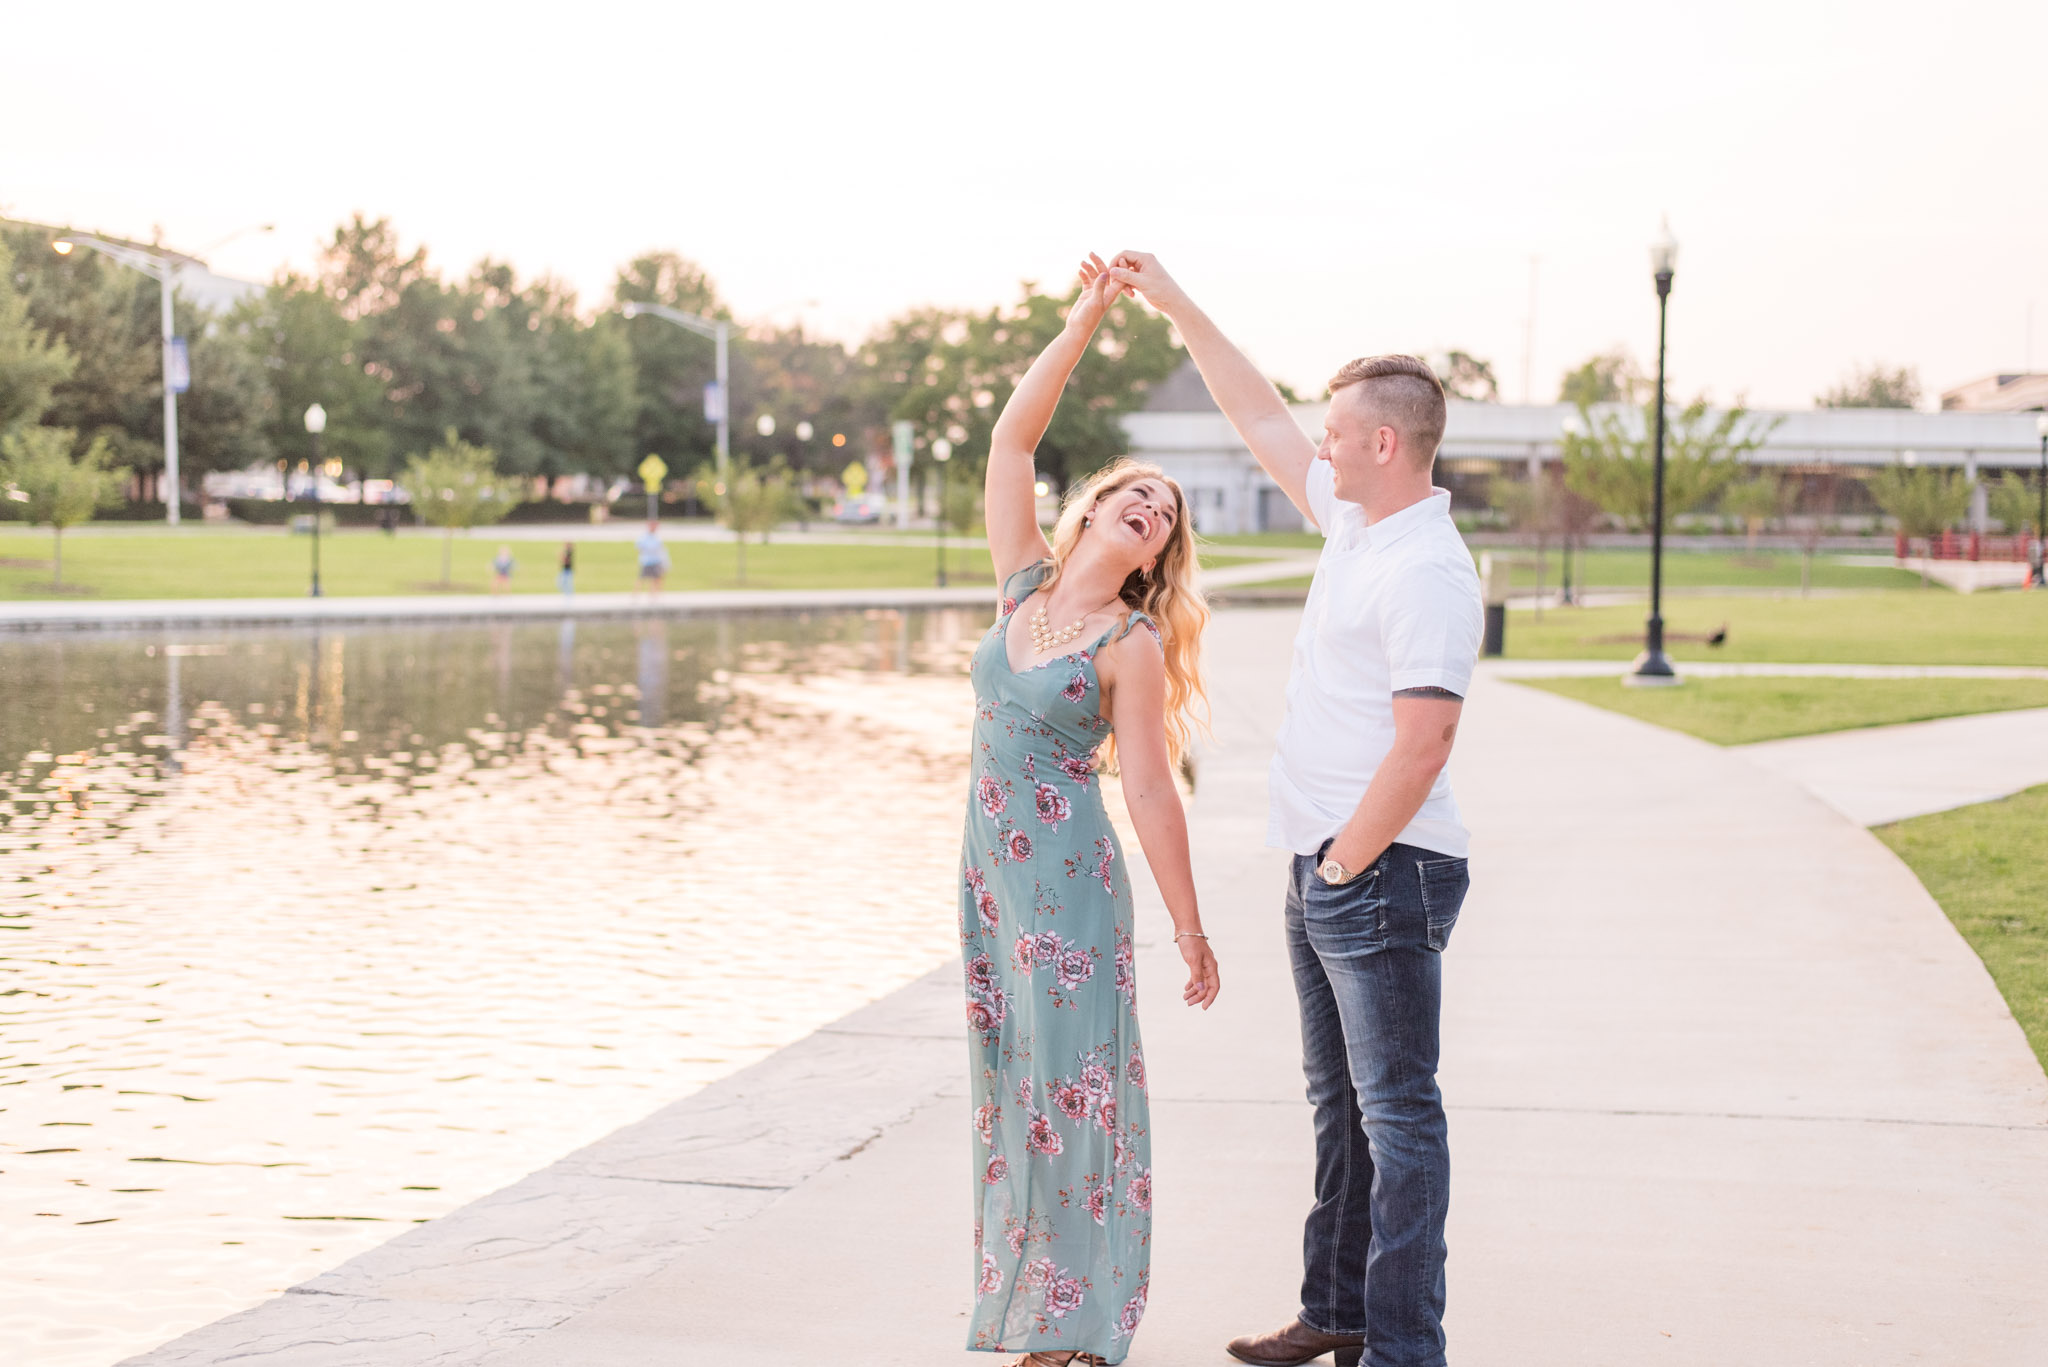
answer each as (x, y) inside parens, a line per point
(2015, 503)
(1465, 376)
(1757, 500)
(796, 379)
(458, 485)
(751, 498)
(307, 348)
(32, 364)
(1612, 463)
(1924, 501)
(950, 373)
(1610, 377)
(39, 471)
(1874, 387)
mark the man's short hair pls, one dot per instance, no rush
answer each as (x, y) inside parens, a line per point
(1405, 394)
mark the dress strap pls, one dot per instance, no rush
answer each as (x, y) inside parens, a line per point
(1132, 621)
(1023, 582)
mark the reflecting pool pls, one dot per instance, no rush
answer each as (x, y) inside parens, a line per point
(306, 935)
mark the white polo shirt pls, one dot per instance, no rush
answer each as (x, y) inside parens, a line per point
(1394, 605)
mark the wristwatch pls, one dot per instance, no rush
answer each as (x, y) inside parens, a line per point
(1335, 874)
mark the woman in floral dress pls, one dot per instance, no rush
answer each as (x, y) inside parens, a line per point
(1099, 633)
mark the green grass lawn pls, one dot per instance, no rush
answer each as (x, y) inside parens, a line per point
(1623, 569)
(261, 563)
(1900, 626)
(1988, 867)
(1738, 711)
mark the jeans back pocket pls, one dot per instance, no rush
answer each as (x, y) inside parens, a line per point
(1444, 883)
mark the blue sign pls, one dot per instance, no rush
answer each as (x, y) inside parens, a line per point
(714, 402)
(177, 366)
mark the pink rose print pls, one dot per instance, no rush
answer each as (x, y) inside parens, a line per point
(1075, 968)
(1076, 689)
(992, 1278)
(1009, 606)
(1105, 1115)
(984, 900)
(1079, 768)
(1015, 1238)
(1037, 1273)
(1019, 845)
(1062, 1294)
(1024, 1092)
(1134, 1071)
(1133, 1311)
(1070, 1097)
(985, 1122)
(1123, 1153)
(1097, 1079)
(998, 1169)
(1126, 969)
(980, 974)
(1140, 1189)
(1098, 1201)
(1050, 946)
(1052, 808)
(981, 1016)
(993, 798)
(1041, 1137)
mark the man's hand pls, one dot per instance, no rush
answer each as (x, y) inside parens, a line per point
(1142, 272)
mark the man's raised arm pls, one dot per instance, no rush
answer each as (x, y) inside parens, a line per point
(1246, 397)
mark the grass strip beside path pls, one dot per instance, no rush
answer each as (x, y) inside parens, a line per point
(1987, 865)
(357, 563)
(1739, 711)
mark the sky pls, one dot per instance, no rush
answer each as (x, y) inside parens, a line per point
(1848, 184)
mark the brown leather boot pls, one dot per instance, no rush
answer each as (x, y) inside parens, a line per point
(1296, 1344)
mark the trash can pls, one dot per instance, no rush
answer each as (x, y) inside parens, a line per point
(1493, 585)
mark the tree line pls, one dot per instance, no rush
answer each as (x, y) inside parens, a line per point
(400, 354)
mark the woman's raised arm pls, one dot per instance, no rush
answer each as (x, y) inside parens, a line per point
(1014, 538)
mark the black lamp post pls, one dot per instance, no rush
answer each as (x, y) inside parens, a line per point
(1652, 666)
(316, 423)
(942, 451)
(2040, 553)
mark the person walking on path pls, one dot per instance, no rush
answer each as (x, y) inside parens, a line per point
(501, 570)
(1382, 662)
(565, 577)
(653, 558)
(1096, 648)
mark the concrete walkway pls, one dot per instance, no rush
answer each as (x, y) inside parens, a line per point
(1725, 1087)
(1889, 773)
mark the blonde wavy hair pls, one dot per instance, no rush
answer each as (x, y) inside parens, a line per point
(1167, 595)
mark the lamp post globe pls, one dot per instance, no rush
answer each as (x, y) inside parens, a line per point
(942, 451)
(1653, 667)
(316, 423)
(765, 424)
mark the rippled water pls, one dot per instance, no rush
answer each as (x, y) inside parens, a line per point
(306, 936)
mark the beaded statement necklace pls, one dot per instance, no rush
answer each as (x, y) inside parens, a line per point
(1044, 638)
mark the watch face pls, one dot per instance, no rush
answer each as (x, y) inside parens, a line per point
(1332, 871)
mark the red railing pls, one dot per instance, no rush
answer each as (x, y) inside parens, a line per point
(1963, 546)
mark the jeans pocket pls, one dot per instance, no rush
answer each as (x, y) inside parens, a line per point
(1350, 918)
(1444, 883)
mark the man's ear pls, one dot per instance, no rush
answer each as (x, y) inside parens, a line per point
(1389, 443)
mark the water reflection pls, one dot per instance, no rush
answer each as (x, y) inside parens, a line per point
(307, 935)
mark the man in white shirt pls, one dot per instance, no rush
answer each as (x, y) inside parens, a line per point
(1381, 666)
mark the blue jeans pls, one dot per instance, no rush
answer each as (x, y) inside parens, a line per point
(1369, 975)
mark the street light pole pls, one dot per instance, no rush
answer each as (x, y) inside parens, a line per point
(942, 452)
(316, 423)
(1652, 667)
(162, 267)
(720, 333)
(2040, 556)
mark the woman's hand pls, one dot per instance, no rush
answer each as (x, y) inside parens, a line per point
(1203, 983)
(1098, 292)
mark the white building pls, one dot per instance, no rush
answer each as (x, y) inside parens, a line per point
(1181, 430)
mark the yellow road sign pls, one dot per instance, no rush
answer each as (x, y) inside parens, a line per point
(651, 471)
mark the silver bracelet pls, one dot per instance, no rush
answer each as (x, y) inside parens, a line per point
(1189, 935)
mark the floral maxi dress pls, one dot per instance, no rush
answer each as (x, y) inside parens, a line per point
(1062, 1158)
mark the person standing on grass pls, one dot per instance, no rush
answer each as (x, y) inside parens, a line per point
(1382, 662)
(565, 578)
(653, 559)
(501, 570)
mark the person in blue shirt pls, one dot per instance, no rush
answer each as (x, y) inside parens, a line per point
(653, 558)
